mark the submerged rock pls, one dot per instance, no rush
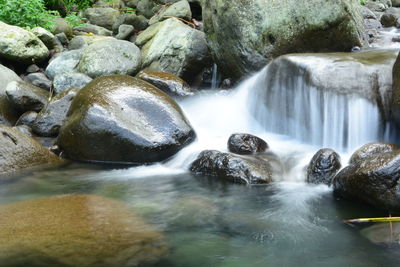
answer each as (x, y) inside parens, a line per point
(21, 46)
(122, 119)
(19, 151)
(237, 169)
(246, 144)
(76, 230)
(167, 82)
(373, 180)
(245, 35)
(370, 150)
(323, 167)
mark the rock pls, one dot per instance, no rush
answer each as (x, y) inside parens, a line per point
(21, 46)
(76, 230)
(62, 26)
(27, 119)
(167, 82)
(102, 16)
(124, 32)
(244, 144)
(79, 42)
(237, 169)
(19, 151)
(390, 17)
(245, 35)
(50, 41)
(140, 23)
(179, 9)
(383, 233)
(62, 37)
(52, 117)
(58, 5)
(373, 180)
(24, 129)
(32, 68)
(89, 28)
(370, 150)
(68, 80)
(395, 103)
(65, 62)
(126, 120)
(39, 79)
(171, 46)
(396, 3)
(8, 115)
(323, 167)
(147, 8)
(376, 6)
(110, 57)
(367, 13)
(373, 70)
(26, 97)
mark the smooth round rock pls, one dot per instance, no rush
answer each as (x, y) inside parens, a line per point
(323, 167)
(371, 149)
(243, 144)
(26, 97)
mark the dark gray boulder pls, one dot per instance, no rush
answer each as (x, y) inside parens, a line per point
(243, 144)
(323, 167)
(122, 119)
(390, 17)
(26, 97)
(237, 169)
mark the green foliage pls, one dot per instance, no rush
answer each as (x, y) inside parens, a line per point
(363, 2)
(74, 19)
(26, 13)
(81, 4)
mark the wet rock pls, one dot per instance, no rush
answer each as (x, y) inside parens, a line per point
(179, 9)
(20, 45)
(376, 6)
(124, 31)
(52, 117)
(237, 169)
(147, 8)
(27, 118)
(76, 230)
(367, 13)
(102, 16)
(171, 46)
(167, 82)
(226, 84)
(26, 97)
(323, 167)
(244, 144)
(47, 38)
(126, 120)
(276, 28)
(24, 129)
(395, 103)
(89, 28)
(371, 149)
(396, 3)
(68, 80)
(39, 79)
(138, 22)
(110, 56)
(8, 115)
(62, 37)
(79, 42)
(373, 180)
(32, 68)
(65, 62)
(390, 17)
(19, 151)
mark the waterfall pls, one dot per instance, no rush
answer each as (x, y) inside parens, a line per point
(214, 77)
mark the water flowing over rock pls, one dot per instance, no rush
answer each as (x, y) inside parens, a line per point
(21, 46)
(122, 119)
(338, 100)
(76, 230)
(19, 151)
(171, 46)
(246, 144)
(8, 115)
(237, 169)
(323, 167)
(110, 56)
(245, 35)
(373, 180)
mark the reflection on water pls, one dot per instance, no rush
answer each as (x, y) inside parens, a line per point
(208, 223)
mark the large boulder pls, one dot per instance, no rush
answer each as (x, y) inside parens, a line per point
(76, 230)
(110, 56)
(172, 46)
(8, 115)
(179, 9)
(20, 45)
(167, 82)
(50, 41)
(371, 149)
(373, 180)
(390, 17)
(65, 62)
(19, 151)
(102, 16)
(244, 35)
(237, 169)
(52, 117)
(122, 119)
(26, 97)
(323, 167)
